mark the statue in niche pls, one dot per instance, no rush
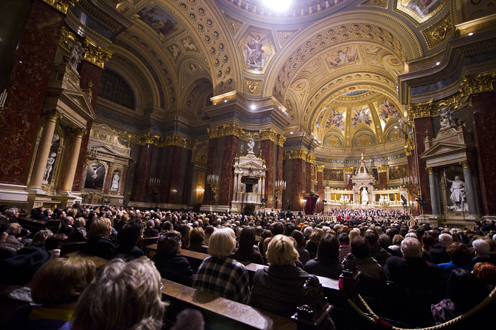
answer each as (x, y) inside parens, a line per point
(365, 196)
(115, 181)
(55, 138)
(76, 54)
(49, 167)
(446, 119)
(457, 196)
(251, 145)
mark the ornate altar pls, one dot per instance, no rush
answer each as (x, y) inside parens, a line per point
(249, 184)
(363, 185)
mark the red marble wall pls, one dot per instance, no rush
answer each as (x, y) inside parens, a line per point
(308, 180)
(187, 179)
(383, 180)
(320, 191)
(280, 172)
(212, 156)
(176, 168)
(268, 155)
(123, 181)
(349, 182)
(421, 125)
(227, 177)
(137, 170)
(89, 73)
(26, 90)
(483, 116)
(298, 184)
(167, 174)
(412, 170)
(144, 176)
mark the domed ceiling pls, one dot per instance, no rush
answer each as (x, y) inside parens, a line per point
(333, 64)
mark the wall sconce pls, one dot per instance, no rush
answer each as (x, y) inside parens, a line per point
(155, 184)
(278, 188)
(213, 182)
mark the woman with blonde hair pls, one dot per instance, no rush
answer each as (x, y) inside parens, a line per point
(219, 274)
(129, 297)
(99, 244)
(282, 287)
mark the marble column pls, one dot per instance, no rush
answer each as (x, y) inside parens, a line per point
(482, 109)
(137, 170)
(298, 184)
(108, 180)
(26, 91)
(320, 188)
(43, 151)
(227, 174)
(176, 167)
(348, 172)
(187, 178)
(433, 190)
(437, 180)
(144, 175)
(422, 125)
(73, 160)
(122, 183)
(268, 154)
(279, 170)
(166, 177)
(212, 155)
(308, 177)
(469, 188)
(382, 176)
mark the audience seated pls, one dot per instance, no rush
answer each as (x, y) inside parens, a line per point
(368, 266)
(196, 238)
(99, 245)
(219, 274)
(438, 252)
(461, 257)
(128, 239)
(246, 250)
(55, 288)
(279, 288)
(482, 249)
(327, 261)
(129, 297)
(169, 261)
(344, 245)
(304, 256)
(376, 251)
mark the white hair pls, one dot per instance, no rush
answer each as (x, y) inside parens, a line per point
(481, 246)
(411, 248)
(445, 240)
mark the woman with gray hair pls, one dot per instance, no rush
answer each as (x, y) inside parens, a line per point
(219, 274)
(482, 249)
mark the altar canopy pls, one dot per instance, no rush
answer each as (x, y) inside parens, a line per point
(311, 203)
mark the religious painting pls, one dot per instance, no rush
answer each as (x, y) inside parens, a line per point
(188, 44)
(397, 172)
(333, 140)
(342, 56)
(256, 50)
(394, 61)
(333, 174)
(175, 51)
(156, 18)
(387, 110)
(299, 86)
(375, 174)
(95, 176)
(421, 10)
(372, 49)
(319, 118)
(374, 62)
(193, 68)
(335, 119)
(361, 115)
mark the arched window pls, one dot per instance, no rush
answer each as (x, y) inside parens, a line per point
(115, 89)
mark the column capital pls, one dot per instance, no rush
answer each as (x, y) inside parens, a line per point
(467, 164)
(96, 54)
(280, 140)
(310, 159)
(382, 168)
(348, 170)
(61, 5)
(79, 132)
(320, 168)
(52, 115)
(432, 170)
(268, 134)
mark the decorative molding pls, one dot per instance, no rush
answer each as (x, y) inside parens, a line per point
(96, 54)
(253, 87)
(375, 3)
(296, 154)
(320, 168)
(280, 140)
(284, 35)
(178, 142)
(480, 83)
(310, 159)
(234, 24)
(66, 38)
(382, 168)
(61, 5)
(268, 134)
(439, 32)
(348, 170)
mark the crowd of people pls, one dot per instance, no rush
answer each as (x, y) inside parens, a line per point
(439, 273)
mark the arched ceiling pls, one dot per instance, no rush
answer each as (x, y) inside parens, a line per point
(311, 57)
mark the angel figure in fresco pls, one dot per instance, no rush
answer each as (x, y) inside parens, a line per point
(361, 116)
(317, 123)
(253, 53)
(188, 44)
(337, 119)
(388, 110)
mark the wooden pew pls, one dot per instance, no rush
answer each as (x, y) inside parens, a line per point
(99, 262)
(32, 224)
(220, 312)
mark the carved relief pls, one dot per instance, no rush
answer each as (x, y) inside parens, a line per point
(439, 32)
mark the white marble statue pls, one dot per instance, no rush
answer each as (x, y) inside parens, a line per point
(76, 54)
(251, 145)
(446, 119)
(49, 166)
(115, 181)
(365, 196)
(457, 196)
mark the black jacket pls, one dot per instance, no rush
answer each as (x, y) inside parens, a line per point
(174, 267)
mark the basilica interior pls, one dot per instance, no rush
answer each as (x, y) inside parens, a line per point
(248, 105)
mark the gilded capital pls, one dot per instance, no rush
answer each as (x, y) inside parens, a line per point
(296, 154)
(52, 115)
(213, 133)
(268, 134)
(79, 132)
(280, 140)
(310, 159)
(466, 164)
(61, 5)
(348, 170)
(421, 110)
(232, 129)
(66, 38)
(320, 168)
(432, 170)
(148, 138)
(96, 54)
(178, 142)
(382, 168)
(480, 83)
